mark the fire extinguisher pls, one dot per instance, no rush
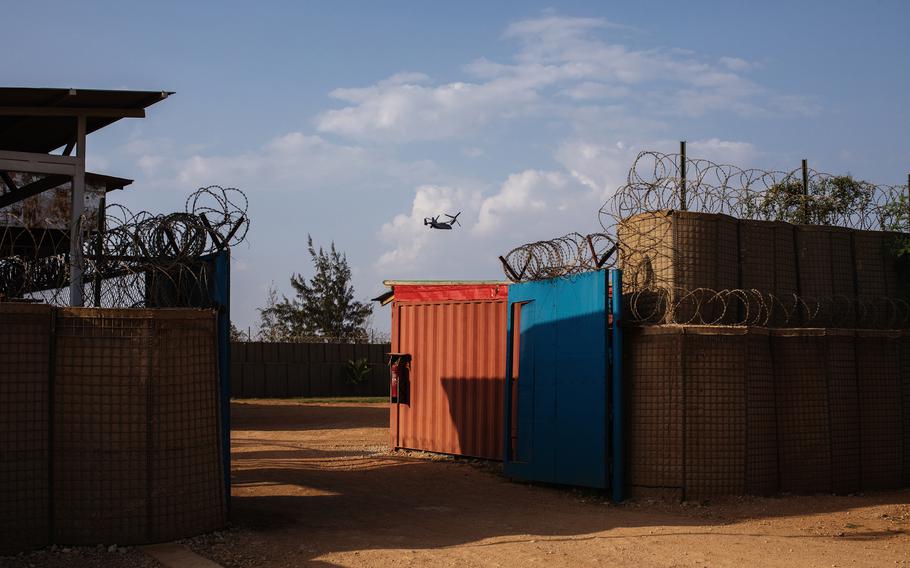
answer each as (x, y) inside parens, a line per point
(400, 366)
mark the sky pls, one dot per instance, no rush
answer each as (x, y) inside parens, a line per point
(352, 121)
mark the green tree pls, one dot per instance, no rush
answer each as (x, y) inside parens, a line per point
(236, 334)
(895, 216)
(324, 305)
(829, 200)
(271, 325)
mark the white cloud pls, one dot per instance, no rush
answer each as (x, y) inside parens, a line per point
(735, 63)
(742, 154)
(406, 232)
(294, 158)
(581, 101)
(294, 161)
(592, 90)
(559, 62)
(520, 197)
(402, 111)
(527, 206)
(600, 167)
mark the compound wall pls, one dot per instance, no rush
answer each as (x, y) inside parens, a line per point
(735, 410)
(109, 426)
(846, 278)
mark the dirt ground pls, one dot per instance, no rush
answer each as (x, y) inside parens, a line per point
(314, 485)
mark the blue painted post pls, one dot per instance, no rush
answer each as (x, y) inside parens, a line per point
(618, 483)
(221, 298)
(507, 395)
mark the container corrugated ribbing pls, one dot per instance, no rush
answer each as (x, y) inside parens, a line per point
(456, 336)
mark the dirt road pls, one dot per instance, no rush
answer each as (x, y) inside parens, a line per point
(314, 485)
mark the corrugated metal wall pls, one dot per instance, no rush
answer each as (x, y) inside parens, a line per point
(282, 370)
(458, 351)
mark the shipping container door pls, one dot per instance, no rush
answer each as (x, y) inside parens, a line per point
(556, 392)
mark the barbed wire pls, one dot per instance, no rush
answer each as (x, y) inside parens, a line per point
(704, 306)
(571, 254)
(656, 183)
(130, 259)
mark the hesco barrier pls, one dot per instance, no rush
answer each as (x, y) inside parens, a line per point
(767, 256)
(25, 356)
(840, 273)
(109, 426)
(734, 410)
(680, 252)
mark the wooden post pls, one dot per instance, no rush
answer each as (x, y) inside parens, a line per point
(77, 263)
(99, 250)
(805, 191)
(682, 175)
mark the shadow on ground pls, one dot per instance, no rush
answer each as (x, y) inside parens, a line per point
(291, 416)
(332, 488)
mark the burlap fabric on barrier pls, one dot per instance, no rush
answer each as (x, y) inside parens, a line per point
(734, 410)
(654, 410)
(714, 394)
(680, 251)
(767, 262)
(905, 398)
(700, 411)
(138, 444)
(843, 410)
(799, 275)
(876, 269)
(815, 405)
(134, 438)
(187, 492)
(878, 355)
(826, 270)
(101, 411)
(761, 414)
(24, 370)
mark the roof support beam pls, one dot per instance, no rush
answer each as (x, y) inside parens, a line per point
(34, 188)
(73, 111)
(77, 263)
(8, 181)
(36, 163)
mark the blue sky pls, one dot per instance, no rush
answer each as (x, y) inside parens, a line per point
(352, 121)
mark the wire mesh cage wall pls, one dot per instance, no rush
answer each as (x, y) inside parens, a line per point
(700, 411)
(117, 427)
(25, 363)
(711, 269)
(721, 410)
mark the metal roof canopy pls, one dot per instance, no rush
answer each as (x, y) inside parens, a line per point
(41, 120)
(36, 121)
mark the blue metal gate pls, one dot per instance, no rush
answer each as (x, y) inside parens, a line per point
(558, 381)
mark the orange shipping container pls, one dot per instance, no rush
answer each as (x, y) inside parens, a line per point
(455, 335)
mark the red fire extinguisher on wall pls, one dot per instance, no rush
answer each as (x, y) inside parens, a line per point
(400, 367)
